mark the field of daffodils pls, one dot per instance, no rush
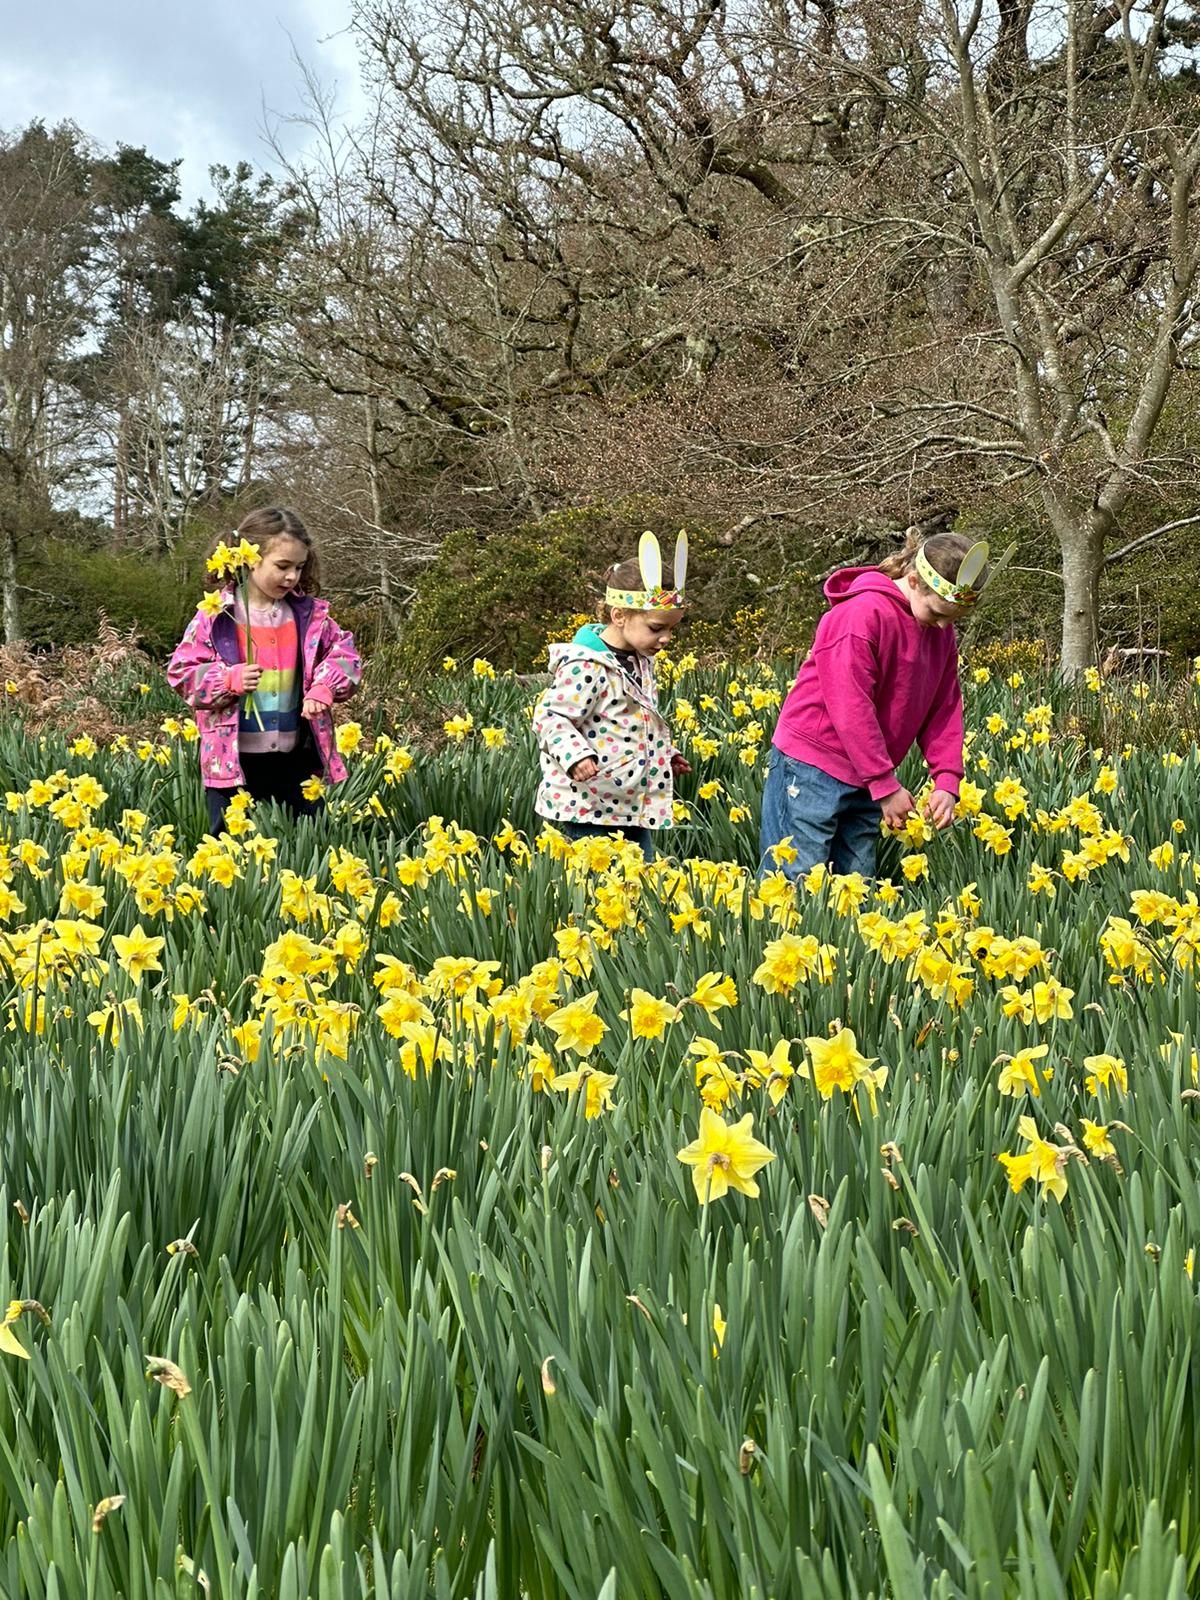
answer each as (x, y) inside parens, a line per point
(404, 1204)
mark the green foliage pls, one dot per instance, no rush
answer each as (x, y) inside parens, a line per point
(67, 586)
(1157, 589)
(500, 596)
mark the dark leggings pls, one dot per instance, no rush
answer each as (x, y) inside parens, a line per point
(276, 776)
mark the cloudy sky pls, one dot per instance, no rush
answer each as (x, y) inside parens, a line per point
(186, 78)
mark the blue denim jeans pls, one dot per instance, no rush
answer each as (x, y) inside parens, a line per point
(642, 837)
(830, 822)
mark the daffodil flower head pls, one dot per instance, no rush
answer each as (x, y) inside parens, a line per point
(229, 561)
(725, 1156)
(648, 1016)
(837, 1063)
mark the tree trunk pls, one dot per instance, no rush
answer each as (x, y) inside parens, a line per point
(371, 417)
(1082, 562)
(8, 587)
(121, 480)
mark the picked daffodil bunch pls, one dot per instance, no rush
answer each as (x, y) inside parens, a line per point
(231, 563)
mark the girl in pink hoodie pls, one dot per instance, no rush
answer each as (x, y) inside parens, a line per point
(882, 675)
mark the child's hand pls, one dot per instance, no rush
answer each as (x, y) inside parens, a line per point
(940, 807)
(897, 806)
(583, 770)
(251, 673)
(312, 708)
(680, 764)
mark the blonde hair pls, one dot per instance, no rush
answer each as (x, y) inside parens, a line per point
(943, 551)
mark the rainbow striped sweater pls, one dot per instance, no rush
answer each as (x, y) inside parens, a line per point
(273, 724)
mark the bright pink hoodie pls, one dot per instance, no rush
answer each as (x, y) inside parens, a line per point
(875, 682)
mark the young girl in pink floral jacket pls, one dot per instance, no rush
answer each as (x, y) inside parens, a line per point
(261, 669)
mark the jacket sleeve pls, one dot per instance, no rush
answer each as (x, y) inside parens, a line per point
(941, 737)
(339, 666)
(848, 671)
(557, 715)
(197, 672)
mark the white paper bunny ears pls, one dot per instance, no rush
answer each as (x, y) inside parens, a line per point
(652, 596)
(965, 589)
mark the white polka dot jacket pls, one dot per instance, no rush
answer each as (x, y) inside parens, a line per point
(594, 708)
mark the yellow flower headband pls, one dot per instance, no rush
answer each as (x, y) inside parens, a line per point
(652, 596)
(964, 589)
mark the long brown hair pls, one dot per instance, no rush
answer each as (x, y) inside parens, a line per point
(279, 522)
(943, 551)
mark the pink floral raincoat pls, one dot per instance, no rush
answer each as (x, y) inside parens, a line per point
(206, 669)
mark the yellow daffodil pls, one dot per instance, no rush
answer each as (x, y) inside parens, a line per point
(713, 992)
(1095, 1138)
(725, 1157)
(9, 1343)
(597, 1087)
(1019, 1075)
(792, 959)
(838, 1064)
(1051, 1001)
(348, 738)
(1042, 1162)
(649, 1017)
(137, 952)
(576, 1026)
(109, 1020)
(774, 1071)
(1104, 1070)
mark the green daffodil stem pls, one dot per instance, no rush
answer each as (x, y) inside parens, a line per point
(251, 703)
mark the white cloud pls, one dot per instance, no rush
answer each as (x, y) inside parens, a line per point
(193, 81)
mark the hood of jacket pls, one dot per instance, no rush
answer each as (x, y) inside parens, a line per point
(849, 582)
(587, 645)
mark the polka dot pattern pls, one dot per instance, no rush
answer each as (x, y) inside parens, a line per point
(594, 709)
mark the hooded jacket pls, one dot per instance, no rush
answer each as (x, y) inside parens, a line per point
(595, 708)
(875, 683)
(206, 669)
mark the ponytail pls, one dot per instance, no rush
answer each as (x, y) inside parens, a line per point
(943, 551)
(622, 575)
(895, 566)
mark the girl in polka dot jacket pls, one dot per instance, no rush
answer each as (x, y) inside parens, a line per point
(608, 759)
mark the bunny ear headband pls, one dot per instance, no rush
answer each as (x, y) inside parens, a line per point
(965, 589)
(652, 596)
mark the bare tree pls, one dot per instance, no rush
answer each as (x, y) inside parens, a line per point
(1072, 148)
(47, 289)
(184, 406)
(375, 447)
(953, 246)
